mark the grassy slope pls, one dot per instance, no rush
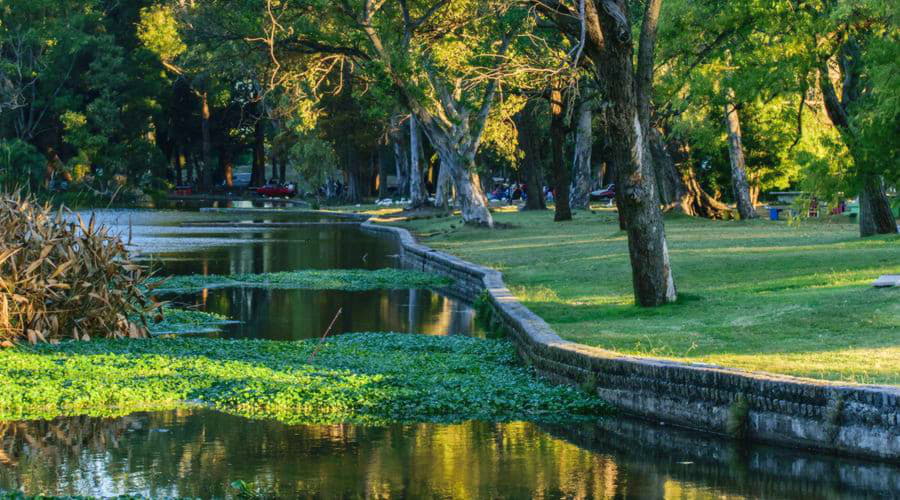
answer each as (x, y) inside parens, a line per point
(756, 295)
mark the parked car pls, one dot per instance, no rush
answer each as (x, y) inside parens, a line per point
(273, 190)
(607, 193)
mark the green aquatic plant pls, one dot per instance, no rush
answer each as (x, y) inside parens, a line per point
(327, 279)
(181, 321)
(358, 378)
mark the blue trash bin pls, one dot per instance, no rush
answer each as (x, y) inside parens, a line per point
(773, 213)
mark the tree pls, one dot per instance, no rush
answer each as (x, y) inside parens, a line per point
(581, 164)
(739, 182)
(609, 45)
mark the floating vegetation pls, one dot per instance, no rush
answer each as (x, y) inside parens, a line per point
(328, 279)
(183, 321)
(359, 378)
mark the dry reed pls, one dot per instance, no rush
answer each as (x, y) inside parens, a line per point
(61, 279)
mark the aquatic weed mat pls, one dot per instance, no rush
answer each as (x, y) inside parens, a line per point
(366, 378)
(326, 279)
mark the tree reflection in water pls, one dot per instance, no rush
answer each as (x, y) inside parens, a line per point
(199, 452)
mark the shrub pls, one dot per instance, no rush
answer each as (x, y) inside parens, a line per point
(62, 279)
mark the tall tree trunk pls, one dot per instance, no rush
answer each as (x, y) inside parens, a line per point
(739, 183)
(581, 166)
(258, 170)
(274, 159)
(282, 168)
(635, 180)
(418, 196)
(530, 165)
(561, 175)
(206, 168)
(443, 189)
(382, 163)
(400, 147)
(875, 216)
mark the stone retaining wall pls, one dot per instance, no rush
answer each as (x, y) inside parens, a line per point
(849, 419)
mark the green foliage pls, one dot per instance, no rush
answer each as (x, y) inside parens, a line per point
(328, 279)
(183, 321)
(21, 165)
(361, 378)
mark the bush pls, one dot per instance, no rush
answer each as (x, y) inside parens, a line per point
(60, 279)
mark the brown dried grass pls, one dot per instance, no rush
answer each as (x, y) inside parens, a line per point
(65, 280)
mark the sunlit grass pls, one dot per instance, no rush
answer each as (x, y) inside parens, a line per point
(755, 295)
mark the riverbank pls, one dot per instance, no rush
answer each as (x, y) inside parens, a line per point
(793, 300)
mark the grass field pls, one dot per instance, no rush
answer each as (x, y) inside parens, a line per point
(759, 295)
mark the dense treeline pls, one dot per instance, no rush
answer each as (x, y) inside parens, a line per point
(685, 105)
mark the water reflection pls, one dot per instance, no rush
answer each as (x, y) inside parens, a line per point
(198, 452)
(270, 250)
(300, 314)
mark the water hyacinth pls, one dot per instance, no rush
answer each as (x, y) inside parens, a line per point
(360, 378)
(319, 279)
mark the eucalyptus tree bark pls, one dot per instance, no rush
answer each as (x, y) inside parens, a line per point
(444, 189)
(739, 183)
(418, 196)
(636, 194)
(530, 165)
(875, 215)
(580, 197)
(561, 176)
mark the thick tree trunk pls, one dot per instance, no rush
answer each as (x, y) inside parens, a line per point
(206, 168)
(692, 199)
(635, 180)
(443, 189)
(668, 181)
(561, 176)
(875, 216)
(258, 170)
(418, 196)
(400, 148)
(581, 166)
(473, 204)
(530, 165)
(282, 168)
(739, 183)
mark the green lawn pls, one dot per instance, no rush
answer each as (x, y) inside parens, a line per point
(756, 295)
